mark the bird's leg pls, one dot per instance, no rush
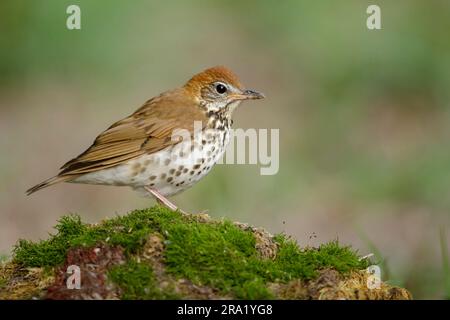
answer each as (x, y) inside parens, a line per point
(163, 200)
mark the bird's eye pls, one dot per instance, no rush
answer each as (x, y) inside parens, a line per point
(220, 88)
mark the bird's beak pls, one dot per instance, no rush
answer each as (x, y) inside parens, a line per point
(249, 94)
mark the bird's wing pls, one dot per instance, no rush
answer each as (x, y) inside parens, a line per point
(146, 131)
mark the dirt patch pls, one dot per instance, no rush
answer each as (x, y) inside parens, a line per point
(23, 283)
(356, 287)
(93, 264)
(330, 285)
(265, 245)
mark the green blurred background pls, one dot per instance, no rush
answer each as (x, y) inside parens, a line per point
(363, 116)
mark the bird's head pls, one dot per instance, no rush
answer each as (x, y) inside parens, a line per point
(219, 90)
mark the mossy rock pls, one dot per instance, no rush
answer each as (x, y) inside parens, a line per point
(160, 254)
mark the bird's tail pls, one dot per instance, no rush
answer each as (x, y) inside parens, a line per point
(48, 183)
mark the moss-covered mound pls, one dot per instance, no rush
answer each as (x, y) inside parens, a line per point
(160, 254)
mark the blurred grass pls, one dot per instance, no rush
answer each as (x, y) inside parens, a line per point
(363, 115)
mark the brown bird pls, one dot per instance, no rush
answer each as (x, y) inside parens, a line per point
(168, 144)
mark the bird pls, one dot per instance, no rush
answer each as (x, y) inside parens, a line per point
(167, 145)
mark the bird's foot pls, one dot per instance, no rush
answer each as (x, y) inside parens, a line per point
(163, 200)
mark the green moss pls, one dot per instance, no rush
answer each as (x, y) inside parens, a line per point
(216, 254)
(222, 255)
(137, 281)
(50, 252)
(129, 231)
(293, 262)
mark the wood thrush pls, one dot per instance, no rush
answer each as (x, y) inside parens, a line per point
(142, 151)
